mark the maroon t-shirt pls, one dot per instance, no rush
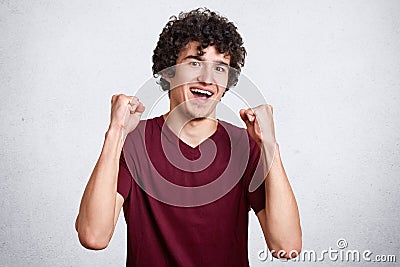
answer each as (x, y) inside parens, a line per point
(188, 206)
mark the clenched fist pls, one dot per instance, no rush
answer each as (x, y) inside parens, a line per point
(125, 113)
(260, 123)
(260, 126)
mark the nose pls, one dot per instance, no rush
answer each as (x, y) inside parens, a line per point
(205, 74)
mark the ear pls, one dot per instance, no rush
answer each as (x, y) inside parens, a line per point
(168, 73)
(165, 76)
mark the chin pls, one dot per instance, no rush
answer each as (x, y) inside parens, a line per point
(197, 116)
(200, 113)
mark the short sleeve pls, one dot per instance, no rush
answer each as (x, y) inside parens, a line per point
(124, 178)
(256, 198)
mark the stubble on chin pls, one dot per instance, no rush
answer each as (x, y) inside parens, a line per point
(200, 112)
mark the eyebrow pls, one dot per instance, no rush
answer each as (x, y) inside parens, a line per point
(200, 58)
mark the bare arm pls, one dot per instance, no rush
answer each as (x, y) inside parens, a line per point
(101, 204)
(280, 219)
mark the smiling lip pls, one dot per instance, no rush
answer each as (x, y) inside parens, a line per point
(201, 92)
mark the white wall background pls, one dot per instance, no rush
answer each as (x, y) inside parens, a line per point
(331, 69)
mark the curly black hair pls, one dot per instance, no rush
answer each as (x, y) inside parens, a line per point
(203, 26)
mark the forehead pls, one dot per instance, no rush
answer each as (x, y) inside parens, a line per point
(209, 53)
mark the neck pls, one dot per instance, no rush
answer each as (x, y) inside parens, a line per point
(194, 131)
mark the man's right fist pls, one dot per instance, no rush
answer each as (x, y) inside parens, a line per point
(125, 113)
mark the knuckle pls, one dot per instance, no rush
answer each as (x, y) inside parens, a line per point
(115, 97)
(265, 107)
(271, 108)
(258, 108)
(121, 98)
(118, 99)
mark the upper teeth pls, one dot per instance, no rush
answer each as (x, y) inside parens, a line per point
(201, 91)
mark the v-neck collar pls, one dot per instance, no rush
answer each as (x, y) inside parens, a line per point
(172, 137)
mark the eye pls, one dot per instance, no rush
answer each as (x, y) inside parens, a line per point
(220, 69)
(194, 63)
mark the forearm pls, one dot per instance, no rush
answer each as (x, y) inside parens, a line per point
(282, 217)
(95, 222)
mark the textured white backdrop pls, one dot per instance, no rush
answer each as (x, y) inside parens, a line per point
(331, 69)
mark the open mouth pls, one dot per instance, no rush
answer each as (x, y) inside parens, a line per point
(197, 92)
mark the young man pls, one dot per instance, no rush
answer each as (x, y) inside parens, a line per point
(183, 178)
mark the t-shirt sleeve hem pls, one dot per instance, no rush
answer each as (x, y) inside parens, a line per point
(124, 178)
(257, 197)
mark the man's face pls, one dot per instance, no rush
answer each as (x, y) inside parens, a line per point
(199, 81)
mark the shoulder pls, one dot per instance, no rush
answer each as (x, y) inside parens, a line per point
(233, 131)
(145, 127)
(238, 135)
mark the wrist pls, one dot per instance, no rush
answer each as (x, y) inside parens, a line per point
(270, 150)
(113, 143)
(114, 132)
